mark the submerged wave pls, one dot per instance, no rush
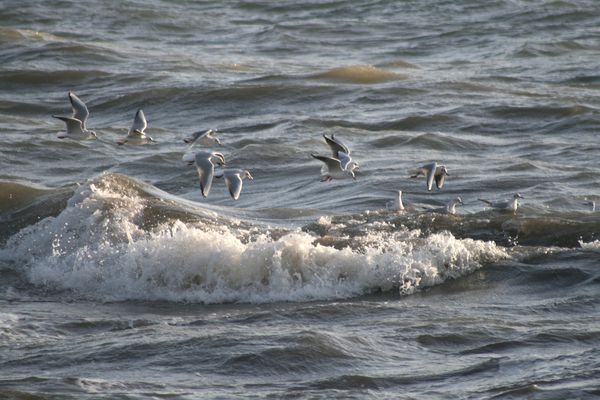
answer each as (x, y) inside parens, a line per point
(119, 239)
(361, 74)
(8, 34)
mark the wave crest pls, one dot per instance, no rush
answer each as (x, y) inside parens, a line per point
(102, 247)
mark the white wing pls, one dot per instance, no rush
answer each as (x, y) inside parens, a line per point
(139, 123)
(430, 174)
(206, 171)
(439, 180)
(80, 110)
(332, 164)
(234, 184)
(74, 126)
(336, 146)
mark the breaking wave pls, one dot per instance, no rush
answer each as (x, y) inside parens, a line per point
(120, 239)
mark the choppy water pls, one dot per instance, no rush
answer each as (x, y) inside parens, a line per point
(118, 280)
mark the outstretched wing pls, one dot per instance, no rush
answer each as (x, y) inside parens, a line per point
(332, 164)
(206, 171)
(439, 180)
(139, 123)
(430, 174)
(234, 184)
(74, 126)
(336, 146)
(80, 110)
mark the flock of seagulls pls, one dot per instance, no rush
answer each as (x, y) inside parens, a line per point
(205, 161)
(338, 165)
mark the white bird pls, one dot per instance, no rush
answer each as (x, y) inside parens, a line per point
(341, 165)
(76, 128)
(510, 205)
(449, 208)
(234, 179)
(332, 168)
(205, 164)
(136, 134)
(592, 205)
(433, 172)
(205, 138)
(340, 151)
(396, 204)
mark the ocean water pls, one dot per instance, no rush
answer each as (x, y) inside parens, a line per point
(119, 280)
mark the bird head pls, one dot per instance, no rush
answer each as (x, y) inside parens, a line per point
(219, 158)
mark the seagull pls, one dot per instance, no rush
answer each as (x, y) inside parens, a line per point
(396, 204)
(432, 171)
(592, 205)
(339, 151)
(332, 169)
(233, 180)
(340, 165)
(205, 138)
(76, 123)
(205, 163)
(449, 208)
(136, 134)
(510, 205)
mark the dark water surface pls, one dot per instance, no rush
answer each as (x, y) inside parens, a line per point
(119, 280)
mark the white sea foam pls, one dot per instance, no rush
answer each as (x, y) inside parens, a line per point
(98, 248)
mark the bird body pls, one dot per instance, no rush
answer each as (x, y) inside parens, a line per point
(137, 134)
(509, 205)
